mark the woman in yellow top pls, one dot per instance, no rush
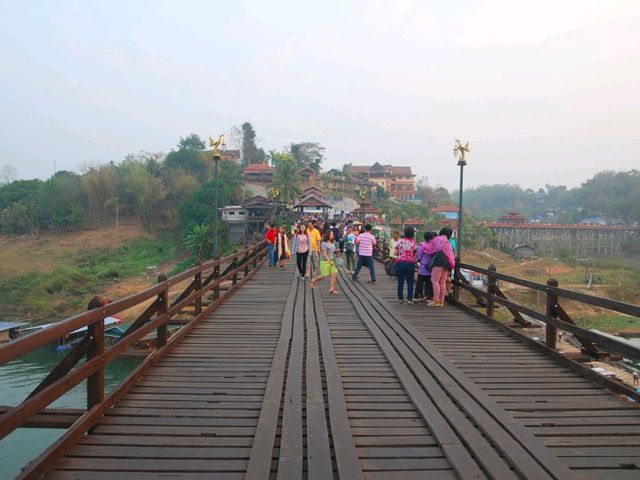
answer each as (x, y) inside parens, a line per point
(327, 262)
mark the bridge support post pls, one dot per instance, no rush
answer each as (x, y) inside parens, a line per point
(491, 290)
(216, 278)
(163, 306)
(256, 254)
(95, 383)
(551, 336)
(197, 285)
(234, 279)
(457, 276)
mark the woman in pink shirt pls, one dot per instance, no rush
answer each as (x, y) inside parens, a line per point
(301, 244)
(405, 254)
(443, 263)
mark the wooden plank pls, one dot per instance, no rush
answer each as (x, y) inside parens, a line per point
(460, 459)
(259, 464)
(127, 475)
(150, 465)
(524, 453)
(319, 464)
(291, 447)
(347, 460)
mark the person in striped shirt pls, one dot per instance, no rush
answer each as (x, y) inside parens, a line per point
(365, 241)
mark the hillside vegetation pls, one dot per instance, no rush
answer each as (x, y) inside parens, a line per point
(615, 278)
(615, 196)
(54, 275)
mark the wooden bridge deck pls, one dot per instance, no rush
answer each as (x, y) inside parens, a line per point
(283, 381)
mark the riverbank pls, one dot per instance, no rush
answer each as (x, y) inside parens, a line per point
(53, 276)
(616, 279)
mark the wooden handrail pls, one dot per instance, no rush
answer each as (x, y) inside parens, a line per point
(615, 305)
(61, 379)
(494, 296)
(20, 346)
(554, 310)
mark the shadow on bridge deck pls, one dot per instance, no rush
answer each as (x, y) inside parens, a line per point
(284, 381)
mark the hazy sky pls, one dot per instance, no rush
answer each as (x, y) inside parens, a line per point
(545, 91)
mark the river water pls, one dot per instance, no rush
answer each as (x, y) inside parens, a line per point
(17, 381)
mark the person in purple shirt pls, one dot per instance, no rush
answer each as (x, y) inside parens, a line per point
(443, 263)
(424, 287)
(365, 242)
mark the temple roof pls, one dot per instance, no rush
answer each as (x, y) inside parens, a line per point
(312, 201)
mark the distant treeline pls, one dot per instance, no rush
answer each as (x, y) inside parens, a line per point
(172, 192)
(613, 196)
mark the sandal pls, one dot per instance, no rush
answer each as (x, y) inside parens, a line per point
(333, 292)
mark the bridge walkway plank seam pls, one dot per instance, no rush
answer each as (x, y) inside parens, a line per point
(281, 381)
(495, 448)
(536, 391)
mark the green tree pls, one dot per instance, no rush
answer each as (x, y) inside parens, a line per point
(279, 157)
(189, 157)
(63, 201)
(20, 203)
(199, 240)
(198, 207)
(286, 179)
(250, 152)
(382, 193)
(100, 184)
(307, 154)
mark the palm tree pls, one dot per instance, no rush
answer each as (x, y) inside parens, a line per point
(200, 240)
(286, 179)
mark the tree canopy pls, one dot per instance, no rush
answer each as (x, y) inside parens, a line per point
(286, 178)
(189, 156)
(613, 195)
(250, 152)
(307, 154)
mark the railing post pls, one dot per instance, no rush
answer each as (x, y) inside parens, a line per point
(256, 254)
(95, 383)
(234, 279)
(216, 278)
(163, 306)
(246, 263)
(552, 300)
(491, 290)
(456, 285)
(197, 285)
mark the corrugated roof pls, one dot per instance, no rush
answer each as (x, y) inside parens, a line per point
(258, 167)
(445, 208)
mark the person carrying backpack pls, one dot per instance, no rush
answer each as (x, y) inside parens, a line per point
(350, 249)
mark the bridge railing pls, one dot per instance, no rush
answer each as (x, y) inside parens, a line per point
(206, 280)
(555, 316)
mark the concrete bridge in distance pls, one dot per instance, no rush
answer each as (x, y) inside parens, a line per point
(271, 379)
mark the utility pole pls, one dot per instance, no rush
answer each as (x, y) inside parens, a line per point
(217, 146)
(459, 151)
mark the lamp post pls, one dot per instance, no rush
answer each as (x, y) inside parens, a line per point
(217, 146)
(363, 204)
(459, 152)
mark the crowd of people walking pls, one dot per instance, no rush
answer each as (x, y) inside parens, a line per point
(320, 249)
